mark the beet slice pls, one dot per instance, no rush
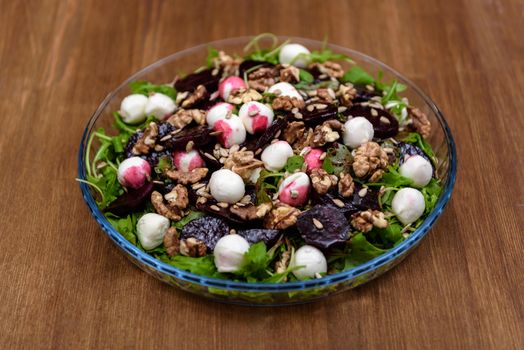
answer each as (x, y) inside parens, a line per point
(382, 129)
(318, 116)
(131, 200)
(260, 141)
(198, 134)
(269, 237)
(352, 204)
(205, 77)
(363, 94)
(334, 227)
(207, 229)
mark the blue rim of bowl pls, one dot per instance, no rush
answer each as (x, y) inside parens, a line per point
(228, 285)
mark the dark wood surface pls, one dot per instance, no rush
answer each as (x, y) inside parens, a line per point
(64, 285)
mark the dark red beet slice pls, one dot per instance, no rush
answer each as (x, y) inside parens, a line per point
(260, 141)
(318, 116)
(250, 64)
(335, 228)
(190, 82)
(198, 134)
(352, 204)
(382, 129)
(206, 229)
(131, 200)
(269, 237)
(364, 94)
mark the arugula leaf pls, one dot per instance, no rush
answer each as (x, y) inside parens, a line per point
(294, 163)
(390, 235)
(212, 53)
(358, 76)
(431, 194)
(361, 251)
(192, 215)
(416, 139)
(204, 266)
(392, 178)
(145, 88)
(338, 160)
(305, 76)
(267, 183)
(125, 226)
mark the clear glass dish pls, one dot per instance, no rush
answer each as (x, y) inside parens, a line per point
(187, 61)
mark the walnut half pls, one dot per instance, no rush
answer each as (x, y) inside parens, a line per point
(171, 241)
(369, 158)
(147, 141)
(420, 121)
(251, 212)
(192, 247)
(189, 177)
(320, 180)
(281, 217)
(365, 220)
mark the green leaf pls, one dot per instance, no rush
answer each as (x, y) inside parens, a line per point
(212, 53)
(256, 262)
(417, 140)
(294, 163)
(358, 76)
(164, 163)
(125, 226)
(306, 77)
(361, 251)
(192, 215)
(337, 160)
(321, 56)
(266, 184)
(431, 194)
(204, 266)
(146, 88)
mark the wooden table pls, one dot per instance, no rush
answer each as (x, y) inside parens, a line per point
(63, 285)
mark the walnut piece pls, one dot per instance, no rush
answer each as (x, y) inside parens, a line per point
(346, 186)
(331, 69)
(294, 131)
(227, 64)
(184, 117)
(320, 180)
(178, 197)
(241, 96)
(305, 140)
(289, 74)
(262, 78)
(346, 93)
(251, 212)
(365, 220)
(281, 217)
(243, 163)
(171, 241)
(198, 95)
(377, 175)
(325, 133)
(325, 96)
(368, 158)
(420, 121)
(147, 141)
(167, 210)
(287, 103)
(192, 247)
(189, 177)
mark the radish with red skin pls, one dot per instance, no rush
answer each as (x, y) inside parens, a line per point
(312, 157)
(187, 161)
(219, 111)
(230, 84)
(232, 131)
(294, 189)
(134, 172)
(256, 117)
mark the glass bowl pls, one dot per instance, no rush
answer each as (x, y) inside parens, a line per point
(187, 61)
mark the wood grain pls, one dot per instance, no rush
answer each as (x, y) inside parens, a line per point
(63, 284)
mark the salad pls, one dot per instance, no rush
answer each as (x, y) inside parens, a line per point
(277, 165)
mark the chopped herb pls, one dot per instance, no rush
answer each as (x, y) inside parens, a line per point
(294, 163)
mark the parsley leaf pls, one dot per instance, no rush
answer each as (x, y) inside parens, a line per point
(212, 53)
(294, 163)
(305, 76)
(358, 76)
